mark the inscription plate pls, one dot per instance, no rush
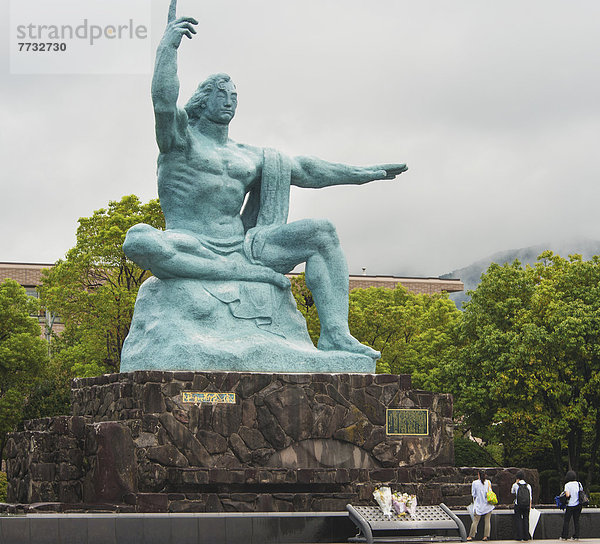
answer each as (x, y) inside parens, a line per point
(407, 421)
(205, 397)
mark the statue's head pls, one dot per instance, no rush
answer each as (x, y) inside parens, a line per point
(215, 98)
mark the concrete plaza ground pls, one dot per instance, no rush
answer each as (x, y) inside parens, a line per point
(547, 541)
(245, 528)
(239, 528)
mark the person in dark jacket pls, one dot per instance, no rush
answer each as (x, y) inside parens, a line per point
(523, 499)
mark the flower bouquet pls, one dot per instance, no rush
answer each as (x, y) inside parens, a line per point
(403, 503)
(383, 496)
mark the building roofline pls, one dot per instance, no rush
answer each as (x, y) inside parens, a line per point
(381, 277)
(37, 265)
(384, 277)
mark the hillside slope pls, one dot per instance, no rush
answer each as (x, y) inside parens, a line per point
(471, 274)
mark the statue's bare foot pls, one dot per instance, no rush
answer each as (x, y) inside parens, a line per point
(344, 341)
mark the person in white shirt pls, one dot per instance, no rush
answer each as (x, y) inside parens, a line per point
(479, 489)
(573, 510)
(523, 499)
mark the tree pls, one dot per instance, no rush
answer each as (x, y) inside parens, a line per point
(94, 288)
(51, 394)
(306, 306)
(528, 371)
(414, 333)
(23, 353)
(486, 338)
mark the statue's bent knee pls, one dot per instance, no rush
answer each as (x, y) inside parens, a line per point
(325, 234)
(143, 245)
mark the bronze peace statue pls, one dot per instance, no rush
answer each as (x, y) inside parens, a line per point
(218, 298)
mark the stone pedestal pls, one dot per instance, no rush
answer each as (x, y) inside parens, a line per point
(287, 442)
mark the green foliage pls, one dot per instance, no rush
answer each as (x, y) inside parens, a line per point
(468, 453)
(414, 333)
(551, 484)
(23, 353)
(3, 486)
(94, 288)
(306, 306)
(51, 395)
(595, 500)
(527, 371)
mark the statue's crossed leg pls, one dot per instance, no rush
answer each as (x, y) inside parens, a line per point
(314, 242)
(273, 251)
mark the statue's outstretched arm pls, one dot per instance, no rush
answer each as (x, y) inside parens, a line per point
(312, 172)
(165, 83)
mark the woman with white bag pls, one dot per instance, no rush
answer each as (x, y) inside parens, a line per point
(573, 510)
(481, 506)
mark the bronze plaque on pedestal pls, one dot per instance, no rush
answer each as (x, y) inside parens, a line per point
(407, 422)
(195, 397)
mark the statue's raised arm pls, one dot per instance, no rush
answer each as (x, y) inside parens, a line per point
(165, 83)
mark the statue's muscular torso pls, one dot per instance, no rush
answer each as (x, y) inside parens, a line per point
(202, 185)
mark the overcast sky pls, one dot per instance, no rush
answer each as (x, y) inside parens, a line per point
(494, 106)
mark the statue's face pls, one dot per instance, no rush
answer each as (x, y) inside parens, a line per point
(221, 104)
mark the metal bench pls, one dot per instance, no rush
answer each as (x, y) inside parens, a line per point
(370, 520)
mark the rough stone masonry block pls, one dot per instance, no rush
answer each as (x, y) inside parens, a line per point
(115, 473)
(298, 413)
(290, 441)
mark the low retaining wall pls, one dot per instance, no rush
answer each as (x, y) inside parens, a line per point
(280, 490)
(236, 528)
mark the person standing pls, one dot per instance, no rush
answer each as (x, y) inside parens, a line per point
(573, 510)
(481, 507)
(523, 499)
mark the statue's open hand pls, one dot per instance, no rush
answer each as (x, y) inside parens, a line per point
(240, 269)
(389, 171)
(177, 29)
(279, 280)
(262, 273)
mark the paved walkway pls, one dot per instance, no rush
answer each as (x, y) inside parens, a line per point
(534, 541)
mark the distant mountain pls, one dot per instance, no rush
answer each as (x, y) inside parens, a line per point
(471, 275)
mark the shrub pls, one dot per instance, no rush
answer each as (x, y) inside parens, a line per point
(470, 454)
(3, 484)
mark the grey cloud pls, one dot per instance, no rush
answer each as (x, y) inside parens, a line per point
(493, 106)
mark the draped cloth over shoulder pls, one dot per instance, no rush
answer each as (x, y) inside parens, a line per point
(269, 202)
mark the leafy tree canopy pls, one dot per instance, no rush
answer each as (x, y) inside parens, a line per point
(528, 371)
(22, 353)
(94, 288)
(414, 333)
